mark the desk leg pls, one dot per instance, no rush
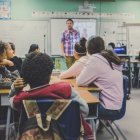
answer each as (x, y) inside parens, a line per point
(8, 123)
(92, 122)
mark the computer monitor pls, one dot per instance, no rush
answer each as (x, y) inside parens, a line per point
(120, 50)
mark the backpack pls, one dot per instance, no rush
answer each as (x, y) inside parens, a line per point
(38, 127)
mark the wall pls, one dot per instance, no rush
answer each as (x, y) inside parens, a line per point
(22, 9)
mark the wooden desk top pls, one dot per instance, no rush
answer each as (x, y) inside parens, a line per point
(135, 61)
(55, 79)
(87, 96)
(4, 91)
(82, 91)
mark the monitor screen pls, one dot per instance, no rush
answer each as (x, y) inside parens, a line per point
(120, 50)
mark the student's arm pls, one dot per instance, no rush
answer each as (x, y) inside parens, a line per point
(83, 105)
(73, 71)
(17, 86)
(7, 62)
(12, 75)
(89, 73)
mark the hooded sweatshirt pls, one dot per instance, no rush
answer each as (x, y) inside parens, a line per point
(110, 81)
(59, 90)
(75, 69)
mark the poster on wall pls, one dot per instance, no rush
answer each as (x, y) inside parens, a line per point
(5, 9)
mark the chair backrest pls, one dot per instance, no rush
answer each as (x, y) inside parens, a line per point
(125, 90)
(69, 121)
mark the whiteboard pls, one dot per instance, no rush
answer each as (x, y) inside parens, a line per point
(86, 27)
(23, 34)
(108, 31)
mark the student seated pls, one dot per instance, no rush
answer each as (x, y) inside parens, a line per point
(111, 46)
(80, 56)
(10, 53)
(34, 47)
(5, 75)
(105, 71)
(36, 71)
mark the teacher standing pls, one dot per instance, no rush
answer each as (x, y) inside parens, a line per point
(68, 40)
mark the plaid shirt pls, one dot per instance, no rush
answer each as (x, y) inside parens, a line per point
(69, 38)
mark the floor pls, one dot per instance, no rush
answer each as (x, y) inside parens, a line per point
(130, 124)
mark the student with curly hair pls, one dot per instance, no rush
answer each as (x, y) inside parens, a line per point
(36, 71)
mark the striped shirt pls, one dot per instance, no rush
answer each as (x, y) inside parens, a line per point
(69, 38)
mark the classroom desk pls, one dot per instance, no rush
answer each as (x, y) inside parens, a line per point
(85, 93)
(55, 79)
(82, 91)
(5, 102)
(4, 91)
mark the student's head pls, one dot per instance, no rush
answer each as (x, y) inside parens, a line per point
(80, 48)
(112, 45)
(69, 23)
(12, 46)
(95, 45)
(2, 51)
(34, 47)
(37, 69)
(9, 51)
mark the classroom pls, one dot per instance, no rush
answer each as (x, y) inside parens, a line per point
(69, 69)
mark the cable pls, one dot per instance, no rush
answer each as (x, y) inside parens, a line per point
(100, 12)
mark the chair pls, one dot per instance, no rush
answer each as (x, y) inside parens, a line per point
(70, 120)
(110, 121)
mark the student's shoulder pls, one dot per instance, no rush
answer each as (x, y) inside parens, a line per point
(95, 60)
(96, 57)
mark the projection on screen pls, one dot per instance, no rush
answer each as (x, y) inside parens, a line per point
(86, 29)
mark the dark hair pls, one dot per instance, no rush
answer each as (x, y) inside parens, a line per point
(80, 47)
(33, 47)
(111, 57)
(70, 20)
(112, 45)
(2, 47)
(95, 45)
(12, 46)
(37, 69)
